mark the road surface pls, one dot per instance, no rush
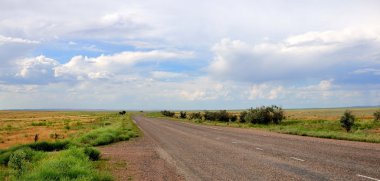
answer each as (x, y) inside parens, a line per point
(202, 152)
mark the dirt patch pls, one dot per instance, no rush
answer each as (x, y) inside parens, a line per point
(138, 159)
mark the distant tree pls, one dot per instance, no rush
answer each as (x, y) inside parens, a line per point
(182, 114)
(167, 113)
(233, 117)
(195, 115)
(264, 115)
(347, 120)
(242, 116)
(122, 112)
(210, 116)
(222, 115)
(376, 115)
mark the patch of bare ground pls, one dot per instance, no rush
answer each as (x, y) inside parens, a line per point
(138, 159)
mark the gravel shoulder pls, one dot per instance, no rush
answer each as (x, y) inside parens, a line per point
(138, 159)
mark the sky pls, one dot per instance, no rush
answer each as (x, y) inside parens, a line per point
(175, 54)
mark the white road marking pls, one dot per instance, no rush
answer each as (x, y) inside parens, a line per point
(297, 159)
(367, 177)
(259, 149)
(235, 142)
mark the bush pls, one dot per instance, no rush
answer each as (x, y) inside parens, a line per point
(167, 113)
(182, 114)
(264, 115)
(71, 164)
(347, 120)
(122, 112)
(210, 116)
(21, 160)
(223, 116)
(376, 115)
(92, 153)
(195, 115)
(50, 146)
(233, 118)
(242, 116)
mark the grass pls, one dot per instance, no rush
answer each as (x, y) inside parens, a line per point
(73, 158)
(306, 123)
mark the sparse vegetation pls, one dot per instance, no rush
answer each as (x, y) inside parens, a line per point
(73, 158)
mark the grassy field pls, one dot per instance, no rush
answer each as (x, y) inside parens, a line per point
(323, 123)
(64, 150)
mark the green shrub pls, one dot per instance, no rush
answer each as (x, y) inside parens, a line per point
(233, 118)
(222, 115)
(21, 160)
(195, 115)
(182, 114)
(71, 164)
(347, 120)
(92, 153)
(210, 116)
(242, 116)
(50, 146)
(167, 113)
(4, 157)
(376, 115)
(265, 115)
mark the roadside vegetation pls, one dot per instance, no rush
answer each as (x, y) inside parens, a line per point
(71, 157)
(360, 124)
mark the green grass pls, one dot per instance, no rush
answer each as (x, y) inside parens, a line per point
(365, 130)
(71, 164)
(70, 159)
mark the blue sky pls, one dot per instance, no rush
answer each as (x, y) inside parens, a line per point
(174, 54)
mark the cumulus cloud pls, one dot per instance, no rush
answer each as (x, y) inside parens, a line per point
(42, 70)
(119, 63)
(38, 69)
(309, 55)
(264, 91)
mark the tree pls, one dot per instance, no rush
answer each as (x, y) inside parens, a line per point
(242, 116)
(347, 120)
(167, 113)
(195, 115)
(264, 115)
(233, 117)
(223, 116)
(376, 115)
(122, 112)
(182, 114)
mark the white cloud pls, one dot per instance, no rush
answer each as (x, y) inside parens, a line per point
(6, 40)
(37, 68)
(119, 63)
(264, 91)
(309, 55)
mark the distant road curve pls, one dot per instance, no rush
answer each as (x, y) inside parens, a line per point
(220, 153)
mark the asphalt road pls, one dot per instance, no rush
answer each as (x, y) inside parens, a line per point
(202, 152)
